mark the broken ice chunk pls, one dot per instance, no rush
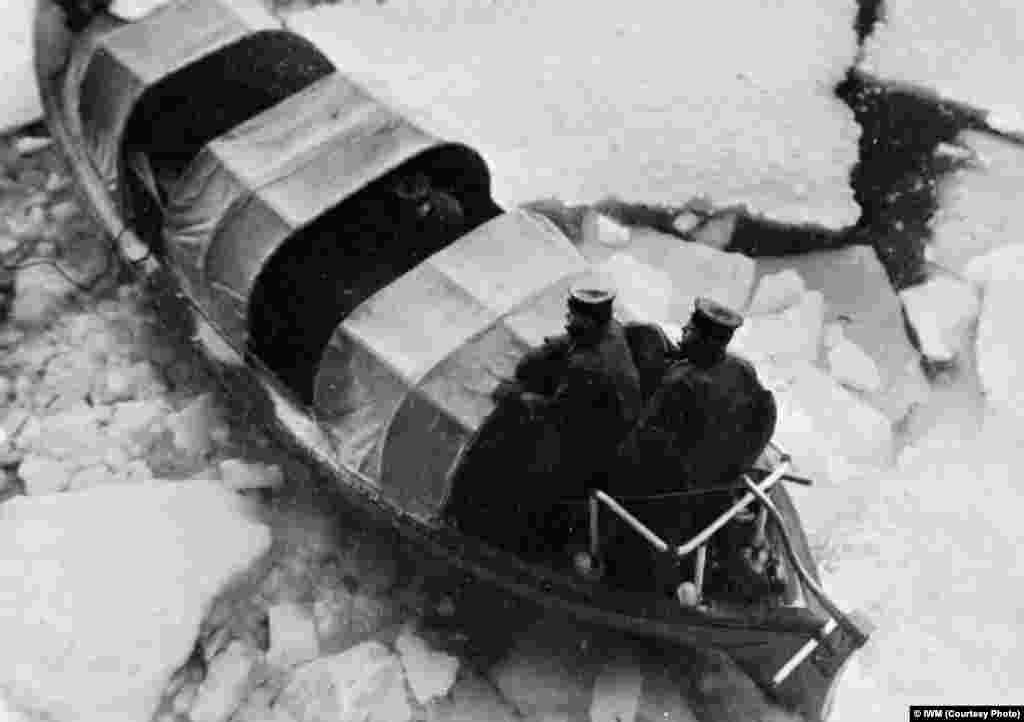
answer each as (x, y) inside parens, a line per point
(1000, 346)
(293, 635)
(193, 426)
(28, 144)
(698, 270)
(240, 475)
(1005, 263)
(225, 685)
(777, 292)
(821, 422)
(853, 367)
(957, 152)
(717, 232)
(686, 221)
(90, 476)
(794, 334)
(430, 672)
(121, 383)
(363, 682)
(941, 310)
(40, 292)
(599, 228)
(834, 335)
(43, 475)
(643, 291)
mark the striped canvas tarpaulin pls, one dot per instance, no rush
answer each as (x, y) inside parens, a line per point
(406, 379)
(128, 60)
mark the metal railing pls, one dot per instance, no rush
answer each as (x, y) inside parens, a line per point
(699, 541)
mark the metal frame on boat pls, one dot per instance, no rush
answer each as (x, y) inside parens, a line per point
(209, 212)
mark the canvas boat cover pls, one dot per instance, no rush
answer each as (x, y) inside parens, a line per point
(126, 61)
(249, 190)
(406, 379)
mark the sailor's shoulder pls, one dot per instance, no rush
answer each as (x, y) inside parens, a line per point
(552, 345)
(739, 364)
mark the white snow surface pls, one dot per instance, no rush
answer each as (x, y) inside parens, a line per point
(19, 96)
(962, 50)
(650, 101)
(979, 206)
(941, 310)
(931, 551)
(121, 576)
(1000, 346)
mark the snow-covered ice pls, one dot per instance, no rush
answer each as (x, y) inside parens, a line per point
(19, 96)
(792, 334)
(648, 101)
(858, 294)
(599, 228)
(363, 682)
(822, 424)
(120, 579)
(958, 49)
(226, 685)
(430, 672)
(777, 292)
(941, 310)
(999, 344)
(658, 276)
(643, 292)
(293, 637)
(979, 207)
(931, 551)
(851, 366)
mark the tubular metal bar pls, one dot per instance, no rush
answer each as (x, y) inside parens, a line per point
(638, 526)
(735, 509)
(803, 653)
(698, 577)
(762, 522)
(595, 530)
(778, 450)
(836, 614)
(804, 575)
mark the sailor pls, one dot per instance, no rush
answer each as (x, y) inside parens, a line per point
(580, 392)
(710, 417)
(708, 421)
(426, 207)
(652, 352)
